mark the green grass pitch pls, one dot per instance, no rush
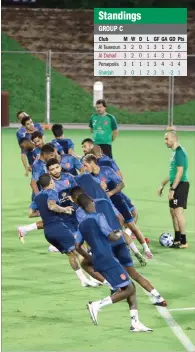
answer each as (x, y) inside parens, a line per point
(43, 304)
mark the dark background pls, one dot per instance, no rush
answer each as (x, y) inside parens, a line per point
(90, 4)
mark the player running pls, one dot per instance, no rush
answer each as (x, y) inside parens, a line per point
(97, 233)
(118, 198)
(28, 127)
(119, 247)
(56, 226)
(39, 166)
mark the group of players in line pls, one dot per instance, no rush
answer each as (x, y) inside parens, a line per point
(80, 202)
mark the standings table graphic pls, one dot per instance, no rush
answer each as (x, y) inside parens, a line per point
(140, 42)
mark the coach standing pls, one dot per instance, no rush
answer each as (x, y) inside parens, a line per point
(104, 128)
(179, 188)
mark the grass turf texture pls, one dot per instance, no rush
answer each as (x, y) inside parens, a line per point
(23, 75)
(43, 304)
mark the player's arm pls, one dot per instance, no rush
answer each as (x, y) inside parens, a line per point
(116, 169)
(91, 125)
(78, 165)
(53, 206)
(163, 184)
(120, 184)
(180, 161)
(33, 210)
(25, 163)
(35, 177)
(106, 229)
(114, 128)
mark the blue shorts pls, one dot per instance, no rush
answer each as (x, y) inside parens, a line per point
(130, 205)
(123, 207)
(116, 276)
(71, 225)
(58, 234)
(123, 255)
(78, 237)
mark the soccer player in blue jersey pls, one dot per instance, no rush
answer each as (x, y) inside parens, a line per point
(39, 166)
(38, 140)
(71, 164)
(66, 143)
(119, 247)
(93, 188)
(28, 127)
(87, 144)
(63, 182)
(29, 149)
(118, 198)
(96, 231)
(56, 226)
(104, 160)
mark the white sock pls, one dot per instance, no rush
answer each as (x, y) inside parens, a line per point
(134, 316)
(81, 275)
(155, 293)
(105, 302)
(128, 231)
(145, 247)
(133, 247)
(30, 227)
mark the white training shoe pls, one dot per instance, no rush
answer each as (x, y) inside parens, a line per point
(139, 327)
(21, 233)
(52, 249)
(88, 283)
(93, 308)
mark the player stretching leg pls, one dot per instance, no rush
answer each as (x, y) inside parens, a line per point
(119, 247)
(119, 199)
(93, 187)
(96, 232)
(56, 230)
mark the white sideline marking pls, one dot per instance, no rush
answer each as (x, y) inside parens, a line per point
(177, 330)
(180, 309)
(169, 230)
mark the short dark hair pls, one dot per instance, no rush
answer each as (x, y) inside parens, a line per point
(52, 161)
(89, 158)
(47, 149)
(84, 200)
(76, 191)
(101, 101)
(57, 130)
(36, 134)
(87, 140)
(21, 112)
(96, 150)
(44, 180)
(25, 119)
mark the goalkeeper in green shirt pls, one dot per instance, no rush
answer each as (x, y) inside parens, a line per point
(179, 188)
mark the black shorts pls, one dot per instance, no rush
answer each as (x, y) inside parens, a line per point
(180, 196)
(107, 149)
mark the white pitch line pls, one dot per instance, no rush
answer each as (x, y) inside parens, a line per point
(180, 309)
(177, 330)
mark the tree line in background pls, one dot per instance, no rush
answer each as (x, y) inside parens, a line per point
(90, 4)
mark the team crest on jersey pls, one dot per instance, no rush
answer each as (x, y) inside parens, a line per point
(123, 276)
(67, 182)
(67, 165)
(105, 122)
(103, 179)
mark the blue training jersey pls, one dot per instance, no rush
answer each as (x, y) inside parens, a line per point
(106, 161)
(103, 206)
(63, 186)
(94, 229)
(39, 168)
(70, 164)
(23, 133)
(91, 186)
(40, 203)
(65, 143)
(32, 156)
